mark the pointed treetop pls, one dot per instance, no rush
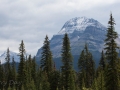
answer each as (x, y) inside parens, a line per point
(13, 58)
(86, 47)
(46, 36)
(21, 41)
(54, 66)
(66, 34)
(8, 49)
(111, 21)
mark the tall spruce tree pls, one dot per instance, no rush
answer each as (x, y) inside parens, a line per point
(45, 85)
(54, 80)
(8, 71)
(102, 62)
(2, 76)
(112, 70)
(7, 60)
(14, 74)
(21, 67)
(102, 65)
(82, 69)
(33, 72)
(38, 81)
(67, 67)
(46, 63)
(86, 67)
(29, 81)
(100, 72)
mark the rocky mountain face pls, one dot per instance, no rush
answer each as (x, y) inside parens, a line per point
(81, 30)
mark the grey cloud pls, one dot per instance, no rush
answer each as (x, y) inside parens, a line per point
(31, 20)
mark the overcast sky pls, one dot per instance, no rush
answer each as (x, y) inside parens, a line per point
(31, 20)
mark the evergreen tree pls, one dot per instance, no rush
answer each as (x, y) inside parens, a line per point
(61, 85)
(33, 71)
(100, 72)
(95, 85)
(112, 69)
(86, 67)
(82, 68)
(2, 76)
(45, 85)
(71, 82)
(21, 67)
(14, 74)
(81, 61)
(46, 63)
(67, 66)
(27, 72)
(8, 71)
(90, 68)
(7, 60)
(100, 81)
(102, 62)
(54, 80)
(38, 81)
(29, 69)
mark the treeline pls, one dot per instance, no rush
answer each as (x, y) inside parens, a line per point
(30, 76)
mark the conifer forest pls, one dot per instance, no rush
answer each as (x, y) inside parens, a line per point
(30, 76)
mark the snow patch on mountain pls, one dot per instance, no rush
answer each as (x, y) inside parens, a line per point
(12, 54)
(79, 24)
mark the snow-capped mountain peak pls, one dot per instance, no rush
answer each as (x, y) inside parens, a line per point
(79, 24)
(12, 54)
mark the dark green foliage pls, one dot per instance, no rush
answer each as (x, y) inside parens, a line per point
(14, 74)
(67, 67)
(29, 76)
(102, 62)
(112, 69)
(7, 60)
(33, 70)
(2, 76)
(86, 67)
(100, 73)
(54, 80)
(21, 68)
(8, 70)
(46, 63)
(45, 85)
(38, 80)
(81, 61)
(32, 77)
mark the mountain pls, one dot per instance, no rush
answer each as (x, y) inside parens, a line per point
(81, 30)
(12, 54)
(80, 24)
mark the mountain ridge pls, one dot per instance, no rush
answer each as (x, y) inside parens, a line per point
(90, 34)
(12, 54)
(93, 33)
(79, 24)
